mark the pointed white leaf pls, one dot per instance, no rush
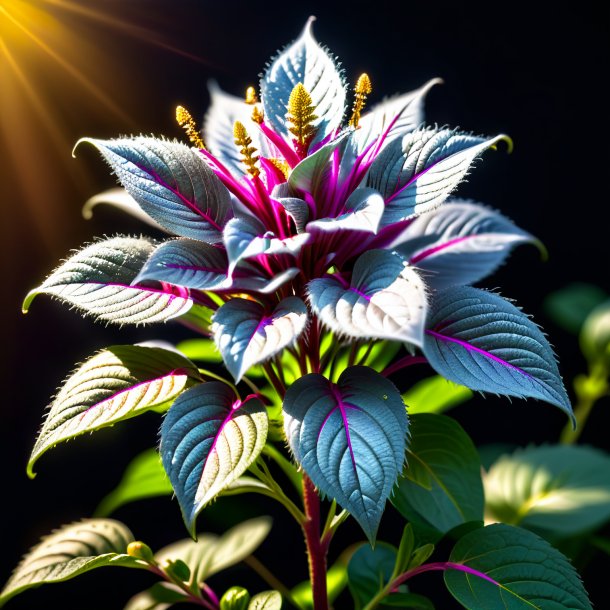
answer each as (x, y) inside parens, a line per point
(97, 280)
(306, 62)
(400, 114)
(417, 173)
(460, 243)
(245, 335)
(121, 199)
(386, 299)
(117, 383)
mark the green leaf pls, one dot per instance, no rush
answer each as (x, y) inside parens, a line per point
(369, 570)
(160, 596)
(202, 350)
(211, 554)
(441, 487)
(528, 572)
(70, 551)
(570, 306)
(435, 395)
(405, 550)
(117, 383)
(556, 491)
(267, 600)
(143, 478)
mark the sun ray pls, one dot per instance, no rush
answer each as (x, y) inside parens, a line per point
(70, 68)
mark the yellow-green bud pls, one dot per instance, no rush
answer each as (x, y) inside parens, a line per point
(139, 550)
(595, 335)
(176, 569)
(235, 598)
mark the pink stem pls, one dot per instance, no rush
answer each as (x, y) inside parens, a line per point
(404, 363)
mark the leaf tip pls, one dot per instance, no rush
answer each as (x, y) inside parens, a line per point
(503, 138)
(82, 141)
(29, 297)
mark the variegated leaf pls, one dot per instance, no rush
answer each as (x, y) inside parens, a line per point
(97, 280)
(208, 439)
(460, 243)
(306, 62)
(386, 299)
(118, 383)
(171, 183)
(186, 262)
(245, 335)
(417, 173)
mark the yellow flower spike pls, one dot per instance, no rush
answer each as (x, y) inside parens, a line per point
(185, 120)
(243, 140)
(281, 165)
(301, 115)
(257, 115)
(362, 90)
(251, 97)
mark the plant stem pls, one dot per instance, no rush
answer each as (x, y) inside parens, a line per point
(270, 579)
(441, 565)
(588, 389)
(194, 599)
(316, 549)
(403, 363)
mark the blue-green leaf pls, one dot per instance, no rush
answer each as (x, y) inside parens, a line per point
(246, 334)
(186, 262)
(416, 173)
(556, 491)
(306, 62)
(118, 383)
(460, 243)
(97, 280)
(386, 299)
(208, 439)
(369, 570)
(441, 486)
(72, 550)
(480, 340)
(297, 209)
(171, 183)
(397, 115)
(246, 237)
(350, 438)
(528, 572)
(364, 209)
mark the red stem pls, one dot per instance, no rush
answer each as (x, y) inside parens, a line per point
(403, 363)
(316, 548)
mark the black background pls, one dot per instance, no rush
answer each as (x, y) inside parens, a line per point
(534, 73)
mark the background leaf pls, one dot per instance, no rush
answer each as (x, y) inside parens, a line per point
(556, 491)
(386, 299)
(70, 551)
(441, 486)
(569, 306)
(143, 478)
(97, 280)
(350, 438)
(160, 596)
(246, 335)
(171, 183)
(417, 173)
(267, 600)
(306, 62)
(482, 341)
(211, 554)
(530, 572)
(117, 383)
(369, 570)
(435, 395)
(208, 439)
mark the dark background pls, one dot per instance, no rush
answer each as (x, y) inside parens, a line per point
(536, 74)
